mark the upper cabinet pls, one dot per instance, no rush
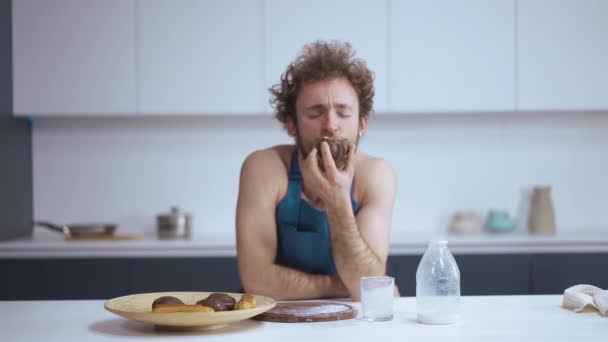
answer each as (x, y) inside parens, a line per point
(73, 57)
(289, 24)
(451, 56)
(200, 56)
(108, 57)
(562, 55)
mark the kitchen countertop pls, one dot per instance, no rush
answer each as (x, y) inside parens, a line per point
(50, 244)
(484, 318)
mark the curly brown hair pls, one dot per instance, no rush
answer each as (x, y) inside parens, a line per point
(318, 61)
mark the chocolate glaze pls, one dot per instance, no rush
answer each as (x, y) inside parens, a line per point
(339, 150)
(166, 300)
(219, 302)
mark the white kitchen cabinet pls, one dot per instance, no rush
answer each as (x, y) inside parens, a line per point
(200, 57)
(562, 55)
(452, 56)
(290, 24)
(73, 57)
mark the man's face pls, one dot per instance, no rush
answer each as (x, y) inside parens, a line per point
(326, 108)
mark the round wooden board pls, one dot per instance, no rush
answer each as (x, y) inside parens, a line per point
(296, 312)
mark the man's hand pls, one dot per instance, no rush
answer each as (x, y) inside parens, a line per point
(327, 188)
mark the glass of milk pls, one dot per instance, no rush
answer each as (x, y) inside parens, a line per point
(377, 298)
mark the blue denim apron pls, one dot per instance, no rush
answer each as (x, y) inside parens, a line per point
(303, 240)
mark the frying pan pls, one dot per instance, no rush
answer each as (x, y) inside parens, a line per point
(80, 230)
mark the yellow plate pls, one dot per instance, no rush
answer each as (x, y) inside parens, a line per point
(138, 307)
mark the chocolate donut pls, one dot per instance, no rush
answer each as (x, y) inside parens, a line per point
(219, 302)
(166, 300)
(339, 150)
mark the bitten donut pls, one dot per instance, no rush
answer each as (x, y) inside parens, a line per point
(339, 151)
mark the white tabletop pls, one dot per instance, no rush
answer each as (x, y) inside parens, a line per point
(485, 318)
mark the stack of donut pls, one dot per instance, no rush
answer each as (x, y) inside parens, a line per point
(214, 302)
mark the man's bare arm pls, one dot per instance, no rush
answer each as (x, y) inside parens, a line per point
(257, 237)
(361, 244)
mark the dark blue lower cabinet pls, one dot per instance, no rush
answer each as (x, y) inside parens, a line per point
(553, 273)
(103, 278)
(495, 274)
(192, 274)
(41, 279)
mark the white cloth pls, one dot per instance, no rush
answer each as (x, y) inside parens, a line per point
(579, 297)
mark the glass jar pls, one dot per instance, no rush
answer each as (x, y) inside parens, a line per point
(438, 285)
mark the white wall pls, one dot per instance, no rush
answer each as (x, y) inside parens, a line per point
(127, 170)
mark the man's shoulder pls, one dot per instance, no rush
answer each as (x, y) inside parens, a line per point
(375, 176)
(372, 167)
(270, 161)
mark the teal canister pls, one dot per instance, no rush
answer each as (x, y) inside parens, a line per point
(500, 221)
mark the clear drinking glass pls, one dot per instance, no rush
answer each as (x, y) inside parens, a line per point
(377, 298)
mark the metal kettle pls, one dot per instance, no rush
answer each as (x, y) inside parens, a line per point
(175, 225)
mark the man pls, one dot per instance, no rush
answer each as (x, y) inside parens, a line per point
(305, 233)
